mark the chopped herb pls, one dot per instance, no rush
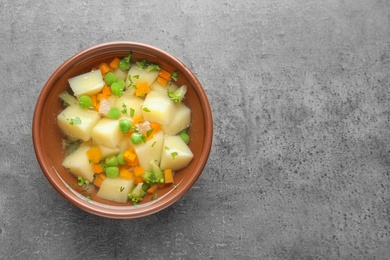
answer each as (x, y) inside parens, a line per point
(174, 75)
(89, 197)
(174, 154)
(132, 112)
(153, 143)
(124, 110)
(70, 146)
(147, 66)
(146, 109)
(75, 121)
(124, 64)
(132, 83)
(166, 148)
(155, 196)
(144, 139)
(122, 189)
(149, 132)
(136, 76)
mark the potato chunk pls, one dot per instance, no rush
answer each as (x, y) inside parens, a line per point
(150, 150)
(87, 84)
(78, 164)
(77, 123)
(106, 132)
(176, 154)
(160, 88)
(115, 189)
(180, 121)
(130, 103)
(138, 75)
(158, 108)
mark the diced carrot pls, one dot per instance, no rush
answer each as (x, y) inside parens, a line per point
(163, 82)
(142, 88)
(133, 163)
(97, 107)
(152, 189)
(160, 186)
(97, 168)
(126, 174)
(114, 63)
(129, 156)
(94, 100)
(168, 176)
(104, 68)
(138, 179)
(155, 126)
(98, 182)
(94, 154)
(165, 74)
(106, 90)
(99, 179)
(138, 171)
(102, 176)
(100, 96)
(137, 120)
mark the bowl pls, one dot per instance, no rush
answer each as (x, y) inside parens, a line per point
(48, 138)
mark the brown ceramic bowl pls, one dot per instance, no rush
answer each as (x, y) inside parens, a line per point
(47, 136)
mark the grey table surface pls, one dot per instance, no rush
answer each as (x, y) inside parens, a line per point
(300, 162)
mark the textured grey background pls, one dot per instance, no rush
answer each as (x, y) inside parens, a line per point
(300, 163)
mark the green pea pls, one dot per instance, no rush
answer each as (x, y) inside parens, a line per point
(111, 161)
(121, 82)
(85, 101)
(116, 89)
(125, 125)
(185, 137)
(121, 160)
(110, 78)
(112, 171)
(136, 138)
(114, 113)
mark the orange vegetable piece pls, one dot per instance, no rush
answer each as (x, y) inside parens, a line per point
(97, 168)
(94, 100)
(99, 179)
(165, 74)
(100, 96)
(126, 174)
(156, 127)
(142, 88)
(94, 154)
(152, 189)
(106, 90)
(98, 182)
(104, 68)
(138, 171)
(137, 120)
(97, 106)
(138, 179)
(114, 64)
(129, 156)
(163, 82)
(168, 176)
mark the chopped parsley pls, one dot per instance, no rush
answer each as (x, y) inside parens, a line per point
(75, 121)
(124, 110)
(132, 111)
(146, 109)
(174, 154)
(174, 75)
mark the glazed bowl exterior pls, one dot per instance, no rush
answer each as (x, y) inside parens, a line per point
(47, 137)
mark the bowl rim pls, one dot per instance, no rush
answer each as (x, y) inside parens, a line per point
(120, 212)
